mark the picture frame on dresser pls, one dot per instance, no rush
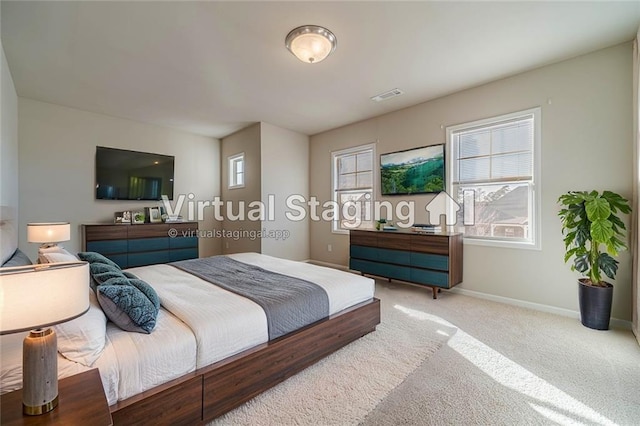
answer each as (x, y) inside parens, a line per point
(154, 215)
(137, 217)
(122, 217)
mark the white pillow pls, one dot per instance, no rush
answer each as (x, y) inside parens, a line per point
(82, 339)
(55, 254)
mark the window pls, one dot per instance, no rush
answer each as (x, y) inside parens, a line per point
(236, 171)
(352, 172)
(494, 167)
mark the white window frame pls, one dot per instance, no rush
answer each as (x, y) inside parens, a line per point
(233, 171)
(535, 194)
(335, 155)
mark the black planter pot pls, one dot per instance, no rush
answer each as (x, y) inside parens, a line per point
(595, 305)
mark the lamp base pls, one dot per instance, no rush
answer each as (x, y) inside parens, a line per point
(41, 257)
(39, 372)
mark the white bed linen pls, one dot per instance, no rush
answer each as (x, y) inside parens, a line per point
(223, 322)
(213, 313)
(134, 362)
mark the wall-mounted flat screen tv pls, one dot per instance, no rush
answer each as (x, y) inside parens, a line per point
(414, 171)
(133, 175)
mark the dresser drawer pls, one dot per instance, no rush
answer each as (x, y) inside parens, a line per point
(425, 276)
(430, 261)
(183, 254)
(381, 269)
(183, 242)
(360, 252)
(148, 244)
(107, 247)
(148, 258)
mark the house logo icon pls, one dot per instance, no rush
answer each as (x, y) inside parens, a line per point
(442, 204)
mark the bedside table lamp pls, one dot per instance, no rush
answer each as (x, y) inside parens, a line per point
(32, 298)
(48, 234)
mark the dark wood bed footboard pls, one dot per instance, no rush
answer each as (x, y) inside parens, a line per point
(218, 388)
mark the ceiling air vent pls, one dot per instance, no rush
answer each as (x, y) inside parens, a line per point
(387, 95)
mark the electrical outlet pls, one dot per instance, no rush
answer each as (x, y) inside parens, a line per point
(329, 247)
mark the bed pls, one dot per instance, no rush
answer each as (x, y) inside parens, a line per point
(211, 349)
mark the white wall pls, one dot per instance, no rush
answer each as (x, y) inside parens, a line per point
(8, 147)
(586, 144)
(57, 167)
(285, 172)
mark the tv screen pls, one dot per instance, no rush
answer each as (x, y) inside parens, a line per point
(414, 171)
(132, 175)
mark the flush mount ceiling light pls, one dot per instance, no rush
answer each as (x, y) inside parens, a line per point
(311, 43)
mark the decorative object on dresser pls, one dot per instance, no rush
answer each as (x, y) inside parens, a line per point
(145, 244)
(48, 233)
(122, 217)
(429, 259)
(137, 217)
(153, 213)
(33, 298)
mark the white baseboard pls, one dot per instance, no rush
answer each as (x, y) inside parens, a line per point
(328, 264)
(614, 323)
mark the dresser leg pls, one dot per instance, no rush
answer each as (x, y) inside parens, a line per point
(435, 292)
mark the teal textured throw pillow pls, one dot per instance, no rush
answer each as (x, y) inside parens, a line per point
(102, 272)
(132, 305)
(93, 257)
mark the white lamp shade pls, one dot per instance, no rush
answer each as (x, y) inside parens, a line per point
(311, 43)
(48, 232)
(37, 296)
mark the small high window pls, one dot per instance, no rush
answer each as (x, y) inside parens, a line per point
(236, 171)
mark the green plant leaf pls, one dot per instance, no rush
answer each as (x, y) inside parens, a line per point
(617, 202)
(597, 209)
(582, 234)
(581, 263)
(601, 231)
(608, 265)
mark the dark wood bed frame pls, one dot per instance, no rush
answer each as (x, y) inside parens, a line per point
(211, 391)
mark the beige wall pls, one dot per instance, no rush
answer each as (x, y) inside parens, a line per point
(586, 144)
(248, 141)
(285, 172)
(9, 141)
(57, 161)
(276, 166)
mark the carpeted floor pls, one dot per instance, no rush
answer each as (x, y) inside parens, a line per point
(344, 387)
(463, 361)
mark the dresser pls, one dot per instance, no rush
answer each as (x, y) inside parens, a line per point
(142, 244)
(429, 259)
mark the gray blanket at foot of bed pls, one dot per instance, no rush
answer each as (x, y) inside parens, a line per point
(289, 303)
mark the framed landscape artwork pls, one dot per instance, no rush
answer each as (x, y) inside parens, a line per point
(413, 171)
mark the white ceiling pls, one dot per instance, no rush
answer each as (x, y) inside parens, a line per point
(214, 67)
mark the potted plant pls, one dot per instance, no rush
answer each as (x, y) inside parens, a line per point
(593, 236)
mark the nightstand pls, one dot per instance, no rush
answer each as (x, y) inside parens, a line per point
(81, 402)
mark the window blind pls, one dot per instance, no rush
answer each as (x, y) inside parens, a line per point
(502, 152)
